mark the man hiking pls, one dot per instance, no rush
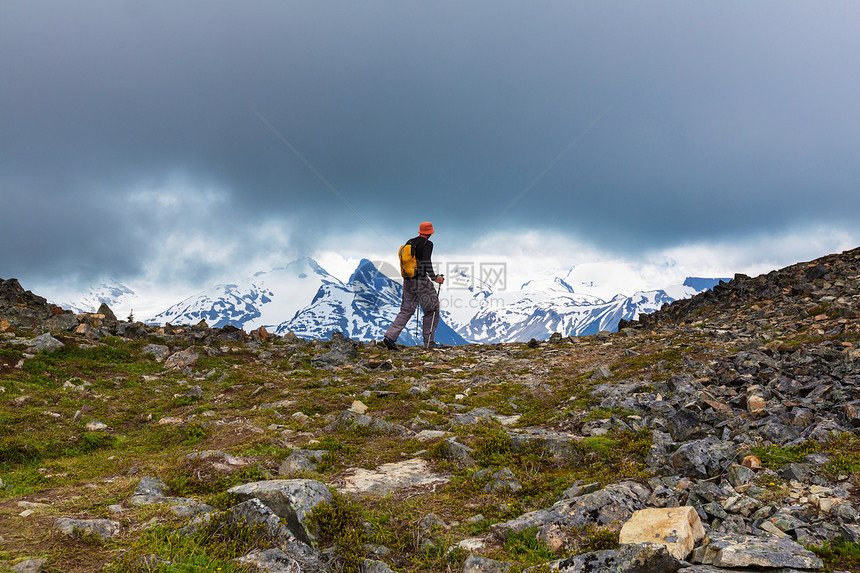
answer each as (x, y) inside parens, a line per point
(417, 289)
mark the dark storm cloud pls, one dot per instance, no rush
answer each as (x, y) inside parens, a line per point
(681, 121)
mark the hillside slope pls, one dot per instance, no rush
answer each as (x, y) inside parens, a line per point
(743, 405)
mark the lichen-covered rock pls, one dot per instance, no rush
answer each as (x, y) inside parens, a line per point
(30, 566)
(301, 461)
(104, 528)
(44, 343)
(704, 458)
(730, 550)
(292, 500)
(158, 351)
(271, 561)
(254, 516)
(609, 507)
(478, 564)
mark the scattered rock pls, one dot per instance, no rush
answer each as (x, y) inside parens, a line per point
(678, 528)
(477, 564)
(609, 507)
(258, 517)
(271, 561)
(182, 359)
(44, 343)
(30, 566)
(149, 490)
(301, 461)
(291, 500)
(104, 528)
(728, 550)
(105, 311)
(358, 407)
(374, 566)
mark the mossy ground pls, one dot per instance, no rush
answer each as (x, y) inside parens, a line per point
(48, 456)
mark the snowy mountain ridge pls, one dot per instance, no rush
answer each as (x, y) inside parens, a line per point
(305, 299)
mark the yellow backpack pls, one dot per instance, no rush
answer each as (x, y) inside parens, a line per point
(408, 262)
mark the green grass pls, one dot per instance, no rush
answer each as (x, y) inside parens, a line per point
(211, 549)
(774, 457)
(838, 554)
(525, 547)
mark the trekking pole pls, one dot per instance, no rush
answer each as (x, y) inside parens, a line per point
(437, 315)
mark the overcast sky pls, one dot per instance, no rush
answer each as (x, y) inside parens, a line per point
(182, 141)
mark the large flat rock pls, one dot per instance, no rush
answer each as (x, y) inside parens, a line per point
(728, 550)
(387, 477)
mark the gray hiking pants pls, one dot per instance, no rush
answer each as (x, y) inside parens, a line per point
(415, 292)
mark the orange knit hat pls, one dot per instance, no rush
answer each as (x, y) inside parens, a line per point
(426, 228)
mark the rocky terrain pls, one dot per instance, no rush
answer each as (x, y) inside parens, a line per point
(718, 434)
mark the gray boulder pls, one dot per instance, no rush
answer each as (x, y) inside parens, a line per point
(473, 417)
(158, 351)
(609, 507)
(501, 481)
(30, 566)
(704, 458)
(149, 490)
(291, 500)
(633, 558)
(182, 359)
(271, 561)
(731, 550)
(459, 453)
(301, 461)
(104, 528)
(107, 312)
(593, 562)
(557, 445)
(255, 516)
(44, 343)
(374, 566)
(65, 322)
(342, 351)
(645, 558)
(477, 564)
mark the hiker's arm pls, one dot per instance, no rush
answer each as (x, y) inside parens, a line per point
(426, 262)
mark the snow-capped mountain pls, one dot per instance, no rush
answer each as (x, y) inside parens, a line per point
(265, 299)
(304, 298)
(361, 309)
(112, 293)
(570, 314)
(551, 304)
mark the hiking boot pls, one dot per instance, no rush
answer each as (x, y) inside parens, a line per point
(390, 344)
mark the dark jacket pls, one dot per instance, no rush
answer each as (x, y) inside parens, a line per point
(423, 249)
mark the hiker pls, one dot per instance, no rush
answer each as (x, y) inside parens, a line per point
(418, 289)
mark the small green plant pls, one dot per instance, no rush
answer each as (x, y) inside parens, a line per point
(592, 538)
(838, 554)
(774, 457)
(193, 478)
(493, 446)
(525, 547)
(340, 522)
(844, 452)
